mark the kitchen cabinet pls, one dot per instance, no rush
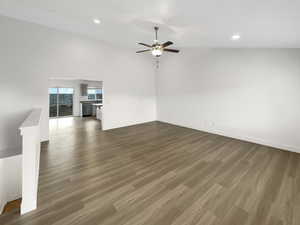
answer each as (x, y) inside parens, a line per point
(87, 109)
(99, 113)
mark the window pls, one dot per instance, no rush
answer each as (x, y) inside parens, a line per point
(61, 91)
(61, 102)
(95, 94)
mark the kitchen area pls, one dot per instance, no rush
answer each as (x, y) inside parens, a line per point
(91, 100)
(75, 98)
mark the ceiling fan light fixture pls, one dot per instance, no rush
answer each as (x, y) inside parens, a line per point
(156, 52)
(236, 37)
(97, 21)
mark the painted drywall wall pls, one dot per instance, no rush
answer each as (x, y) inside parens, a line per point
(250, 94)
(31, 54)
(10, 179)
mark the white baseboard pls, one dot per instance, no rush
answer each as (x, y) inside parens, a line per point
(128, 125)
(255, 140)
(2, 204)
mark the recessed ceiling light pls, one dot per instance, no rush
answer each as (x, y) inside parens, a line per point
(97, 21)
(235, 37)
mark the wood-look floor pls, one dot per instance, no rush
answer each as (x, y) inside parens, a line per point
(160, 174)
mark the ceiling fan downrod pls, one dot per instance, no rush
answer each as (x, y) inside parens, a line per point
(156, 30)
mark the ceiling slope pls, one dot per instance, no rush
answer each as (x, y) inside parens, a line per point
(206, 23)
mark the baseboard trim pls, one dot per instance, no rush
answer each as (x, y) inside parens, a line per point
(129, 125)
(243, 138)
(2, 206)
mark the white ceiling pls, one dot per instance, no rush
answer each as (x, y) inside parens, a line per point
(208, 23)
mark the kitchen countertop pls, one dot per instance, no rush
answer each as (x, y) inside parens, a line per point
(91, 102)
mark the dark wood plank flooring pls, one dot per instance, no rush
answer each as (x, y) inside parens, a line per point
(160, 174)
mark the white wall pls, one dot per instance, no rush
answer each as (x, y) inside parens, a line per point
(250, 94)
(10, 179)
(31, 54)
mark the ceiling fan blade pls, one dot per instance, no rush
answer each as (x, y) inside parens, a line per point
(171, 50)
(143, 51)
(166, 44)
(149, 46)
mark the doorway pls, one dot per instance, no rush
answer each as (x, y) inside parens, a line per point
(60, 102)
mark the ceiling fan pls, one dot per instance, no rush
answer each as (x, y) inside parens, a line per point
(157, 49)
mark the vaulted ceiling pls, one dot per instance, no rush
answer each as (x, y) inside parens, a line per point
(205, 23)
